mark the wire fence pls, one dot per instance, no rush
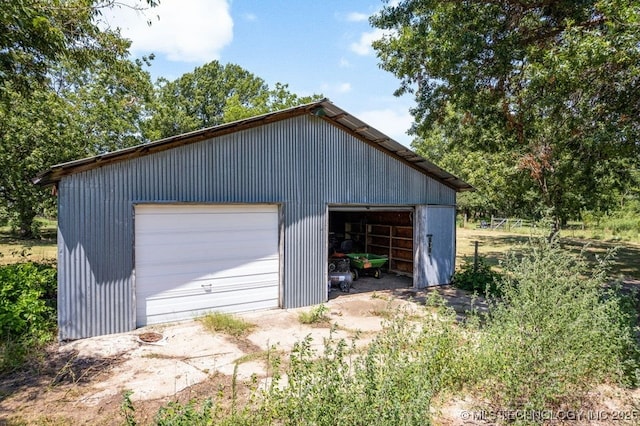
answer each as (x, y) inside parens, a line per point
(510, 223)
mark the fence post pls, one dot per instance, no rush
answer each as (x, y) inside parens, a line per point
(475, 257)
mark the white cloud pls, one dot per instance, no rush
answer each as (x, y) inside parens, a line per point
(250, 17)
(338, 88)
(344, 63)
(344, 87)
(393, 122)
(363, 46)
(357, 17)
(196, 33)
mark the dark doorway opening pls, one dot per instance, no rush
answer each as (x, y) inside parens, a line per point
(379, 231)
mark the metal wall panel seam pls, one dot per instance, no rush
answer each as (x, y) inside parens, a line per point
(280, 162)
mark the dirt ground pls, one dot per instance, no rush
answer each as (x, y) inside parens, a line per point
(83, 381)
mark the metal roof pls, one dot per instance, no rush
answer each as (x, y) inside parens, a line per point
(324, 109)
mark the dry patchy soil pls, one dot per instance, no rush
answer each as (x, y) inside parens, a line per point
(82, 382)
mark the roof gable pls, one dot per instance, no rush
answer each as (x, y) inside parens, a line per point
(323, 109)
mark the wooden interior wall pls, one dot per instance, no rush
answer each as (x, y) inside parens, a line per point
(388, 233)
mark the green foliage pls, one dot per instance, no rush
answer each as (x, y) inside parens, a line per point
(541, 98)
(27, 310)
(315, 315)
(477, 277)
(127, 409)
(210, 95)
(36, 35)
(405, 366)
(555, 334)
(622, 223)
(226, 323)
(177, 414)
(27, 298)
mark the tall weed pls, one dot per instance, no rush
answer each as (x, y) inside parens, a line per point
(392, 382)
(555, 333)
(477, 277)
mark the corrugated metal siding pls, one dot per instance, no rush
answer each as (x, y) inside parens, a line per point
(302, 163)
(437, 267)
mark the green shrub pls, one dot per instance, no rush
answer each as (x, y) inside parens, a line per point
(176, 414)
(226, 323)
(477, 278)
(409, 362)
(554, 335)
(4, 216)
(127, 409)
(623, 223)
(27, 310)
(314, 316)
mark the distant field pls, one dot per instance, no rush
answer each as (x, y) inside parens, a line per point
(493, 245)
(14, 249)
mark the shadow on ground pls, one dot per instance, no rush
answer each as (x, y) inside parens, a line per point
(55, 369)
(625, 262)
(401, 287)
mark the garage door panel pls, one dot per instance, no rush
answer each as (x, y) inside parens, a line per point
(181, 272)
(207, 255)
(199, 239)
(176, 314)
(203, 208)
(224, 246)
(172, 222)
(191, 259)
(205, 291)
(171, 308)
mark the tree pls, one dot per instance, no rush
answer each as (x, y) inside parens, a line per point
(36, 35)
(500, 188)
(551, 86)
(67, 90)
(110, 104)
(214, 94)
(25, 132)
(93, 111)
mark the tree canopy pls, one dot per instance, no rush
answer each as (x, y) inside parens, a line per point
(213, 94)
(548, 90)
(36, 35)
(68, 90)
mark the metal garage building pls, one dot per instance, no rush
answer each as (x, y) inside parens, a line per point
(237, 217)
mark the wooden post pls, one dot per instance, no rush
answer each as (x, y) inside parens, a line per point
(475, 257)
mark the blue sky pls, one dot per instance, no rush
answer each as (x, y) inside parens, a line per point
(320, 47)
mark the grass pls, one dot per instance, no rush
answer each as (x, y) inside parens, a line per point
(221, 322)
(382, 313)
(256, 356)
(494, 246)
(316, 315)
(14, 249)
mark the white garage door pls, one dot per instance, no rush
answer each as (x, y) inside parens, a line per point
(192, 259)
